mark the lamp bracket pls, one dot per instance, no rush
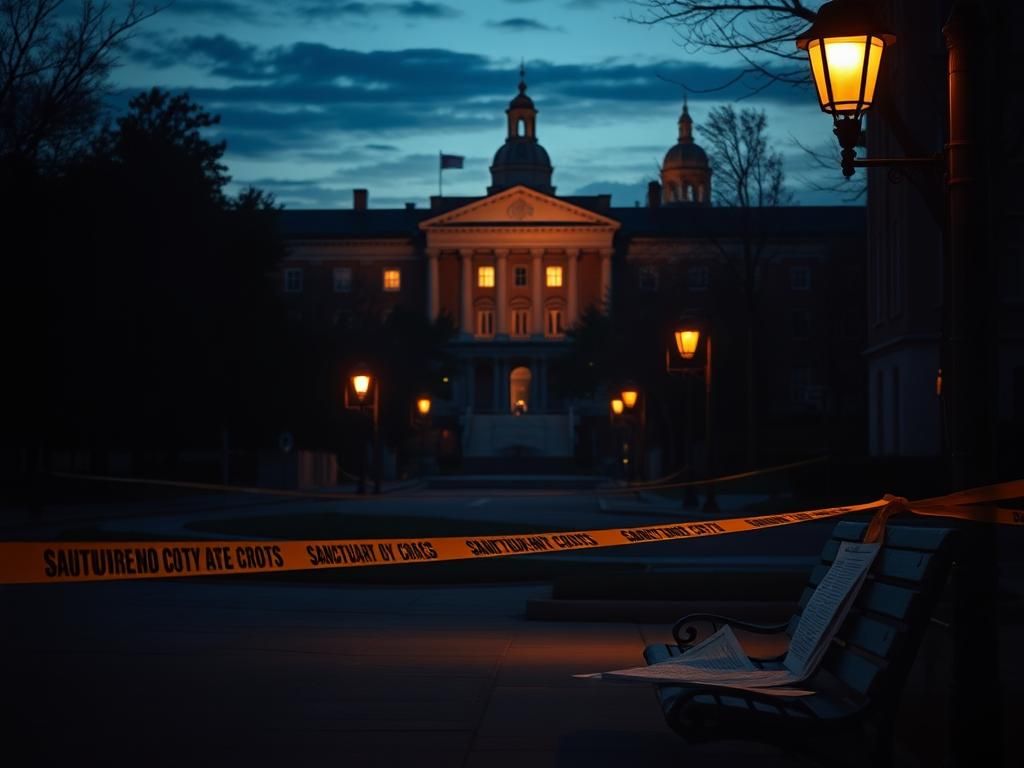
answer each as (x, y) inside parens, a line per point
(847, 130)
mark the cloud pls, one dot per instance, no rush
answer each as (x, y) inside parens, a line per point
(229, 8)
(589, 5)
(415, 9)
(312, 105)
(308, 72)
(523, 25)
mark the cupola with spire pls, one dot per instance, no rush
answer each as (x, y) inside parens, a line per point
(521, 160)
(685, 173)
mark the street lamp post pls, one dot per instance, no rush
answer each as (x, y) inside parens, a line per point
(363, 393)
(688, 337)
(617, 434)
(845, 46)
(421, 422)
(630, 396)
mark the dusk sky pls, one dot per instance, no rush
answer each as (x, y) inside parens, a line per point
(318, 97)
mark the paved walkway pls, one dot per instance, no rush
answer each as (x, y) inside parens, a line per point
(250, 674)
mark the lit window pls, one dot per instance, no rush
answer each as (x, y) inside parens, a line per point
(698, 278)
(342, 279)
(392, 279)
(554, 277)
(293, 280)
(521, 322)
(800, 278)
(485, 322)
(520, 276)
(485, 277)
(554, 326)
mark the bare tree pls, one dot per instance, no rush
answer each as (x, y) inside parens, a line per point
(761, 31)
(53, 70)
(749, 178)
(827, 158)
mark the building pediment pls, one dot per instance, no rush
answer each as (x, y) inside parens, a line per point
(519, 207)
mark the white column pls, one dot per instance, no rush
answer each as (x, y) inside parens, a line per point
(537, 292)
(501, 290)
(573, 287)
(467, 291)
(606, 279)
(433, 286)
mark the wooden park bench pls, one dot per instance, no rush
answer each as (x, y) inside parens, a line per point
(858, 685)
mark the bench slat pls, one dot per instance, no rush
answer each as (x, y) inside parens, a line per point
(855, 671)
(892, 563)
(870, 634)
(922, 537)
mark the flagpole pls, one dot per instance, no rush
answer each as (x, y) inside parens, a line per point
(439, 168)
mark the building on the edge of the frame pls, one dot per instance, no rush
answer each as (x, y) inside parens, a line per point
(517, 267)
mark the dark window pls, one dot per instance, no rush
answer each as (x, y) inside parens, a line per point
(698, 278)
(800, 278)
(648, 278)
(520, 276)
(342, 279)
(293, 280)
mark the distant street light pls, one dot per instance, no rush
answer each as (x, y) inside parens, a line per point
(423, 406)
(361, 385)
(617, 406)
(686, 342)
(629, 396)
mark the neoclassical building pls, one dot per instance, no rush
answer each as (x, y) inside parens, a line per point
(516, 268)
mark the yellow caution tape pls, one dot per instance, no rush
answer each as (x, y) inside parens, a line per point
(44, 562)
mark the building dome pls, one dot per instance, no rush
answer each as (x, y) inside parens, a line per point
(685, 172)
(522, 153)
(521, 159)
(685, 156)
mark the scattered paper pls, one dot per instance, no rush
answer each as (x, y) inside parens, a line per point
(720, 660)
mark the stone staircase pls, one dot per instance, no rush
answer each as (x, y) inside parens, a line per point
(547, 435)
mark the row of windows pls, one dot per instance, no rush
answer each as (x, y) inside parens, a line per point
(698, 278)
(391, 280)
(552, 277)
(553, 328)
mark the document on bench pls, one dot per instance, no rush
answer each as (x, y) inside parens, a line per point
(720, 660)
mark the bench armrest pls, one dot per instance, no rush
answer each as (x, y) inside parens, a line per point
(686, 631)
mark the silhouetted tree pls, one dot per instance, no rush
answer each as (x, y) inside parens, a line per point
(749, 179)
(165, 328)
(53, 70)
(761, 31)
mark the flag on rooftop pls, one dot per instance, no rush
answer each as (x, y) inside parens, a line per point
(451, 161)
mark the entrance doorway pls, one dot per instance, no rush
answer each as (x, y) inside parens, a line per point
(519, 390)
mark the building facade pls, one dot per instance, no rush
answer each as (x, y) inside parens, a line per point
(515, 269)
(908, 293)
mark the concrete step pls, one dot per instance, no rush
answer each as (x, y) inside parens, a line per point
(492, 435)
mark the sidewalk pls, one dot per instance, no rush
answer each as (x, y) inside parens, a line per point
(201, 673)
(193, 672)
